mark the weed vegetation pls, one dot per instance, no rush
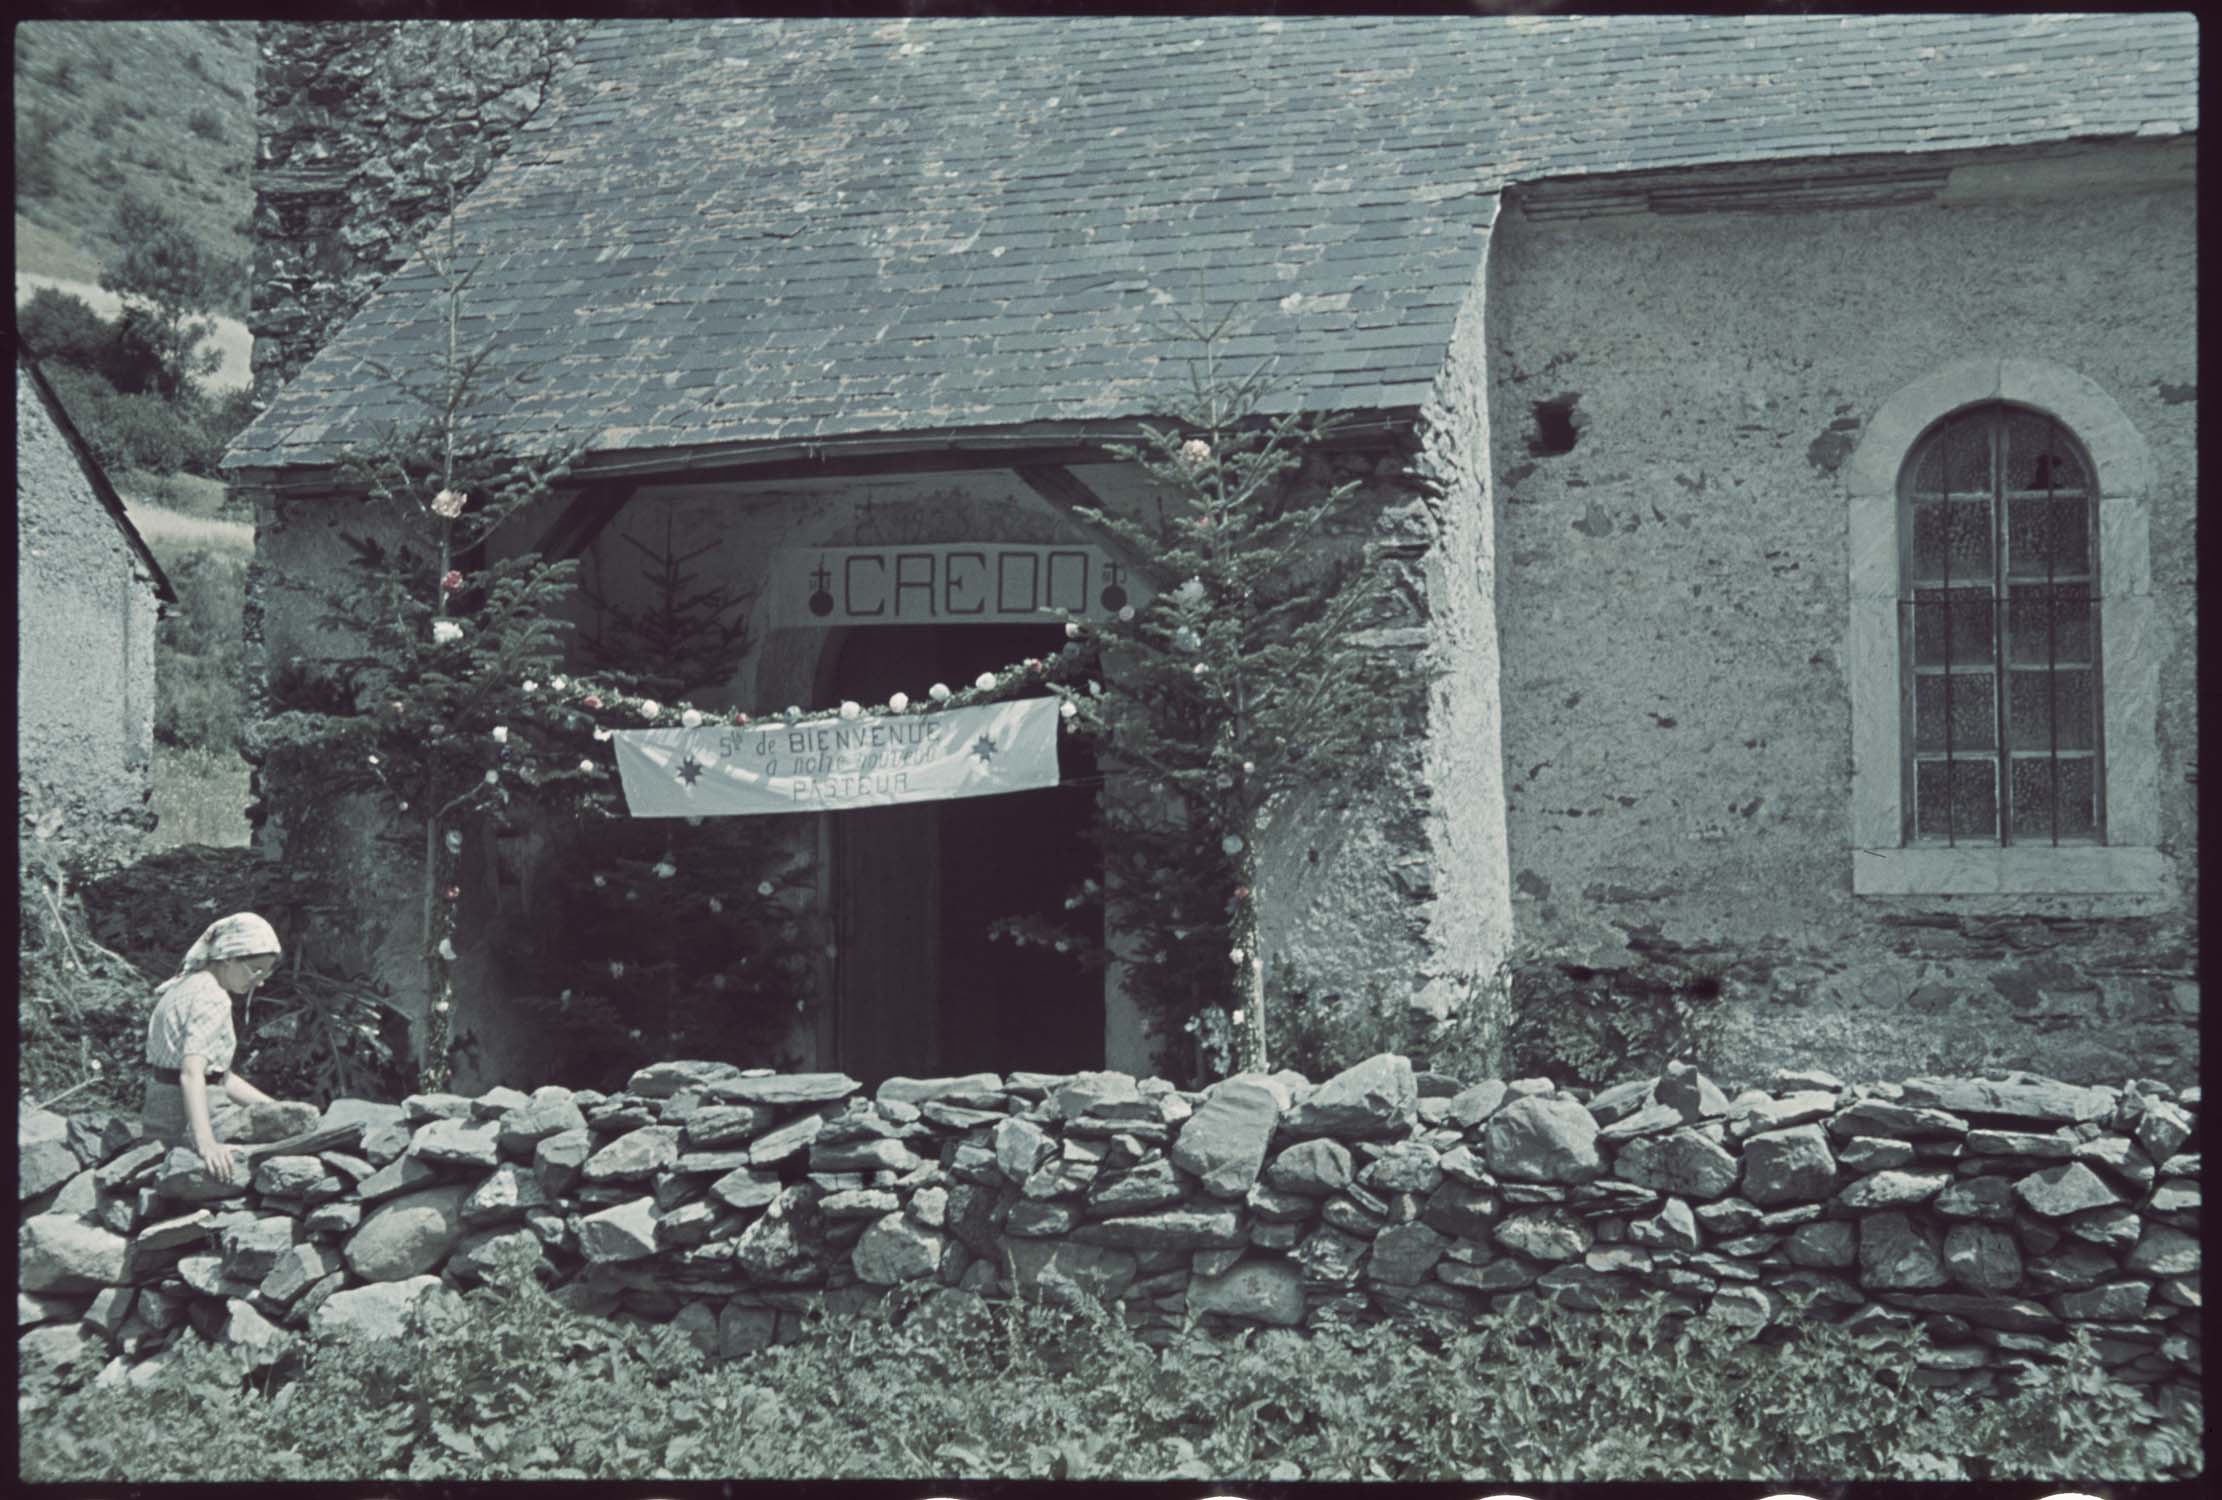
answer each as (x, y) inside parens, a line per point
(506, 1383)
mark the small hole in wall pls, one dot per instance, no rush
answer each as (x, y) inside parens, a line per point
(1556, 425)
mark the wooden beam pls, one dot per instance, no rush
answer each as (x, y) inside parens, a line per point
(1059, 486)
(592, 509)
(931, 461)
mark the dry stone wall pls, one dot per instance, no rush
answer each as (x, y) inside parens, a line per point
(2002, 1214)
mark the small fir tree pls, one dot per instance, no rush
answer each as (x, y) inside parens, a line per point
(448, 701)
(1237, 688)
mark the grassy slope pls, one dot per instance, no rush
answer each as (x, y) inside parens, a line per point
(137, 83)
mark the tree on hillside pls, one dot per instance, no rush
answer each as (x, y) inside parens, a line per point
(167, 280)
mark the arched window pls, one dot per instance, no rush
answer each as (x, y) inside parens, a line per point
(2000, 638)
(2002, 655)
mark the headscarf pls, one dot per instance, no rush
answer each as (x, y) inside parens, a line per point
(240, 935)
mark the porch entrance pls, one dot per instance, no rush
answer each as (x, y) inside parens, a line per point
(920, 990)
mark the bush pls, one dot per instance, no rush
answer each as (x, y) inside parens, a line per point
(509, 1384)
(60, 328)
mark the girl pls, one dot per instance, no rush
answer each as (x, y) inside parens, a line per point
(190, 1042)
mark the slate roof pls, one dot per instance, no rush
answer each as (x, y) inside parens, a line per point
(721, 232)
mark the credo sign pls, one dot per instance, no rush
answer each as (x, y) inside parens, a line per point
(956, 583)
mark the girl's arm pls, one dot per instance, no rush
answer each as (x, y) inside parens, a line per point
(192, 1081)
(240, 1091)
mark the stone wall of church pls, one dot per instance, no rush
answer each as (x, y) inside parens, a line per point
(1672, 398)
(2002, 1216)
(365, 132)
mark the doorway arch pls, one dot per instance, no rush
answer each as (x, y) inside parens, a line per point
(920, 989)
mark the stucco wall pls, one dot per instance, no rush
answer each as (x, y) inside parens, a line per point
(1673, 600)
(85, 615)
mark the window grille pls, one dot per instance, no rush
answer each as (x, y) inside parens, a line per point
(1999, 633)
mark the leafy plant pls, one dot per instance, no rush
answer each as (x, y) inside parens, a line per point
(169, 279)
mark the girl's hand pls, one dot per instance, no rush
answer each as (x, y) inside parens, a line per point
(222, 1161)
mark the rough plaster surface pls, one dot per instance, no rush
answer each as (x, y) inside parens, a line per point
(85, 618)
(1673, 598)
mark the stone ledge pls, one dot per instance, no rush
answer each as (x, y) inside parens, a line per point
(2097, 870)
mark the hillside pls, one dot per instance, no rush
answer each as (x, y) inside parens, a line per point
(161, 108)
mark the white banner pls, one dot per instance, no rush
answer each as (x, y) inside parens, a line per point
(825, 765)
(958, 583)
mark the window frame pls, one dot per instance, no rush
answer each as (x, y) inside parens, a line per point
(1884, 861)
(1988, 421)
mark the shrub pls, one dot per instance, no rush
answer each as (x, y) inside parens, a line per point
(55, 326)
(81, 1012)
(935, 1384)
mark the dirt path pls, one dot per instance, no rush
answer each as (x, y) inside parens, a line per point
(231, 335)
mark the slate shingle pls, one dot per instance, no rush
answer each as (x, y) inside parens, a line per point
(834, 226)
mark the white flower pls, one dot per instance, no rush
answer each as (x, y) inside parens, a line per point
(984, 681)
(559, 683)
(898, 703)
(97, 1066)
(1095, 689)
(1249, 768)
(501, 734)
(454, 842)
(1126, 611)
(665, 869)
(1072, 631)
(447, 505)
(447, 949)
(716, 904)
(1232, 843)
(1068, 708)
(446, 632)
(1187, 639)
(1180, 934)
(1191, 592)
(1063, 946)
(691, 719)
(1236, 955)
(1237, 1018)
(649, 708)
(617, 968)
(790, 713)
(374, 760)
(763, 888)
(493, 778)
(850, 708)
(1201, 669)
(600, 881)
(440, 1006)
(603, 734)
(939, 692)
(530, 685)
(587, 766)
(1195, 453)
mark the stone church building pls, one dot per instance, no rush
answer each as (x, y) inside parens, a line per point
(1777, 433)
